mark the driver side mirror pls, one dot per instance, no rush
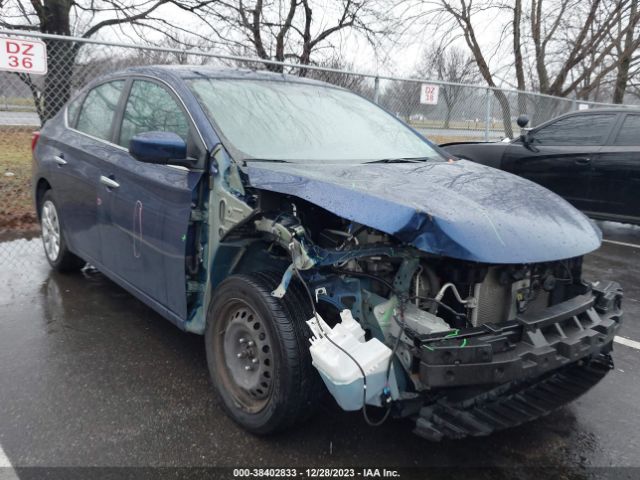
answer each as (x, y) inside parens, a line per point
(163, 148)
(523, 121)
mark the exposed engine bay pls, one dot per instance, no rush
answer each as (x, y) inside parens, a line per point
(432, 322)
(392, 324)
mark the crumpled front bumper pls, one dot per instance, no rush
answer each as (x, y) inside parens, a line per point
(527, 347)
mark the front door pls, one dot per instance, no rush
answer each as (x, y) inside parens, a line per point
(560, 155)
(149, 206)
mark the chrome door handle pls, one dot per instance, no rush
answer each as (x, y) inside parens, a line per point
(108, 182)
(59, 160)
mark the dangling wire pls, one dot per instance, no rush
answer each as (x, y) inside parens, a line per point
(362, 372)
(402, 326)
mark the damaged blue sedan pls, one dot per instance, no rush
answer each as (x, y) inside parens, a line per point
(321, 245)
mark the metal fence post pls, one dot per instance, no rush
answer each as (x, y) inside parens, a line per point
(376, 89)
(487, 117)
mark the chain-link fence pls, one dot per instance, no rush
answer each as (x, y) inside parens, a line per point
(459, 113)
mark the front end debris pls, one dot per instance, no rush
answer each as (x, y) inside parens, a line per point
(463, 347)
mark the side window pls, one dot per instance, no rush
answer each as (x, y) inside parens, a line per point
(628, 134)
(577, 130)
(151, 108)
(72, 110)
(98, 110)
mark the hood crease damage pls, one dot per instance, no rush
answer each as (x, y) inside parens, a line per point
(441, 207)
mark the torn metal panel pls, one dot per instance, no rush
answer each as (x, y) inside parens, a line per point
(226, 209)
(458, 209)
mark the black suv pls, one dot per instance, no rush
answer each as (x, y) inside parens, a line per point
(590, 158)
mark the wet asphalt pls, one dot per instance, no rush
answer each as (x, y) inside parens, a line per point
(89, 376)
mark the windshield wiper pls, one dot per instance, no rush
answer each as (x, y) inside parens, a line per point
(401, 160)
(272, 160)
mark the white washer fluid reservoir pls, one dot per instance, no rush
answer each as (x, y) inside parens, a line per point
(340, 373)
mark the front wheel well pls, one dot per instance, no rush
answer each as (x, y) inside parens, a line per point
(41, 188)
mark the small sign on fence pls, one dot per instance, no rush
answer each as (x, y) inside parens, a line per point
(26, 56)
(429, 94)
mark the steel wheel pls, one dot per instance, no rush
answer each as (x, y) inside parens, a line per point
(258, 352)
(245, 348)
(50, 230)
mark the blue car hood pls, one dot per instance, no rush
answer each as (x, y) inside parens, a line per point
(457, 209)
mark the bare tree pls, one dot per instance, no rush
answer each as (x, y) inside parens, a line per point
(625, 50)
(84, 18)
(574, 45)
(566, 34)
(90, 64)
(462, 13)
(402, 98)
(583, 46)
(518, 62)
(356, 83)
(450, 64)
(293, 30)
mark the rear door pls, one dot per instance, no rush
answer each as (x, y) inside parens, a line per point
(616, 182)
(77, 154)
(561, 155)
(149, 206)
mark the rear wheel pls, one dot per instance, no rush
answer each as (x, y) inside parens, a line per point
(53, 239)
(258, 353)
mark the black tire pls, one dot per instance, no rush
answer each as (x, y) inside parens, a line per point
(60, 258)
(294, 386)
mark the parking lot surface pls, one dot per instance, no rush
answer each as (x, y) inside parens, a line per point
(89, 376)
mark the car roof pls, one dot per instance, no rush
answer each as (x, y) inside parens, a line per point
(591, 111)
(200, 71)
(621, 109)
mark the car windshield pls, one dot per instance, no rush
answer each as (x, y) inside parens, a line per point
(305, 123)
